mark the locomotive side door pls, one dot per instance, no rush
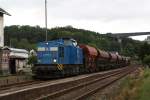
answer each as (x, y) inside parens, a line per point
(61, 55)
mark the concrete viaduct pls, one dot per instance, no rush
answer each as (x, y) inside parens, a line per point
(125, 35)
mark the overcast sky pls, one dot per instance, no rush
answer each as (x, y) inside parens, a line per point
(97, 15)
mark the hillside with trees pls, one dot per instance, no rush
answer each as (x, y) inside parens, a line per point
(28, 36)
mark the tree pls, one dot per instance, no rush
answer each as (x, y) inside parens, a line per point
(27, 37)
(13, 42)
(144, 50)
(32, 60)
(146, 60)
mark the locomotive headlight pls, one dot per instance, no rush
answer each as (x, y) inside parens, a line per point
(54, 60)
(39, 61)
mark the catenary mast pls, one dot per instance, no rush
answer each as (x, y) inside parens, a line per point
(46, 19)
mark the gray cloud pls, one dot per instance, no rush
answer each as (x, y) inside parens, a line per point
(97, 15)
(102, 9)
(85, 9)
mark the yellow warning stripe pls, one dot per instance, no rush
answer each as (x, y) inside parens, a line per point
(60, 66)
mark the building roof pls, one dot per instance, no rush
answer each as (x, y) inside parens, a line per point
(17, 53)
(18, 50)
(15, 49)
(4, 12)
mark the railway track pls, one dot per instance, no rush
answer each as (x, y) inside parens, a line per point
(81, 91)
(20, 84)
(75, 88)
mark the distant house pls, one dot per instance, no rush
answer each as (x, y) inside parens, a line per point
(2, 12)
(12, 60)
(17, 59)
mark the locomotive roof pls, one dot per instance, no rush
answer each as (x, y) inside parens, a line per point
(54, 40)
(64, 38)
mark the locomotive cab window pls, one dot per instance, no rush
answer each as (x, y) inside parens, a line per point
(70, 42)
(61, 52)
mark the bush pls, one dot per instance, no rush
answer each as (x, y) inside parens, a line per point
(146, 60)
(32, 60)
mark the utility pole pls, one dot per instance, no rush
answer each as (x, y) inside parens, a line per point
(120, 42)
(46, 19)
(10, 43)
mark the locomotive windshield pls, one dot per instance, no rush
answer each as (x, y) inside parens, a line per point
(70, 42)
(41, 49)
(67, 42)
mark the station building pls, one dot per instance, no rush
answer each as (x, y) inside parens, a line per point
(4, 61)
(2, 12)
(12, 60)
(17, 60)
(3, 53)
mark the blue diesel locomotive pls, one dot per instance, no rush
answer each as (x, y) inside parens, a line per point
(56, 56)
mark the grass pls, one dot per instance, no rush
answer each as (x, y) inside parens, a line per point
(145, 87)
(128, 90)
(135, 87)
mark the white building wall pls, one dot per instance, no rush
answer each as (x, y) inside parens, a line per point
(1, 31)
(20, 64)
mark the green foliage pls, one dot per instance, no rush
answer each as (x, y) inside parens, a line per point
(144, 93)
(28, 36)
(146, 60)
(144, 50)
(32, 60)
